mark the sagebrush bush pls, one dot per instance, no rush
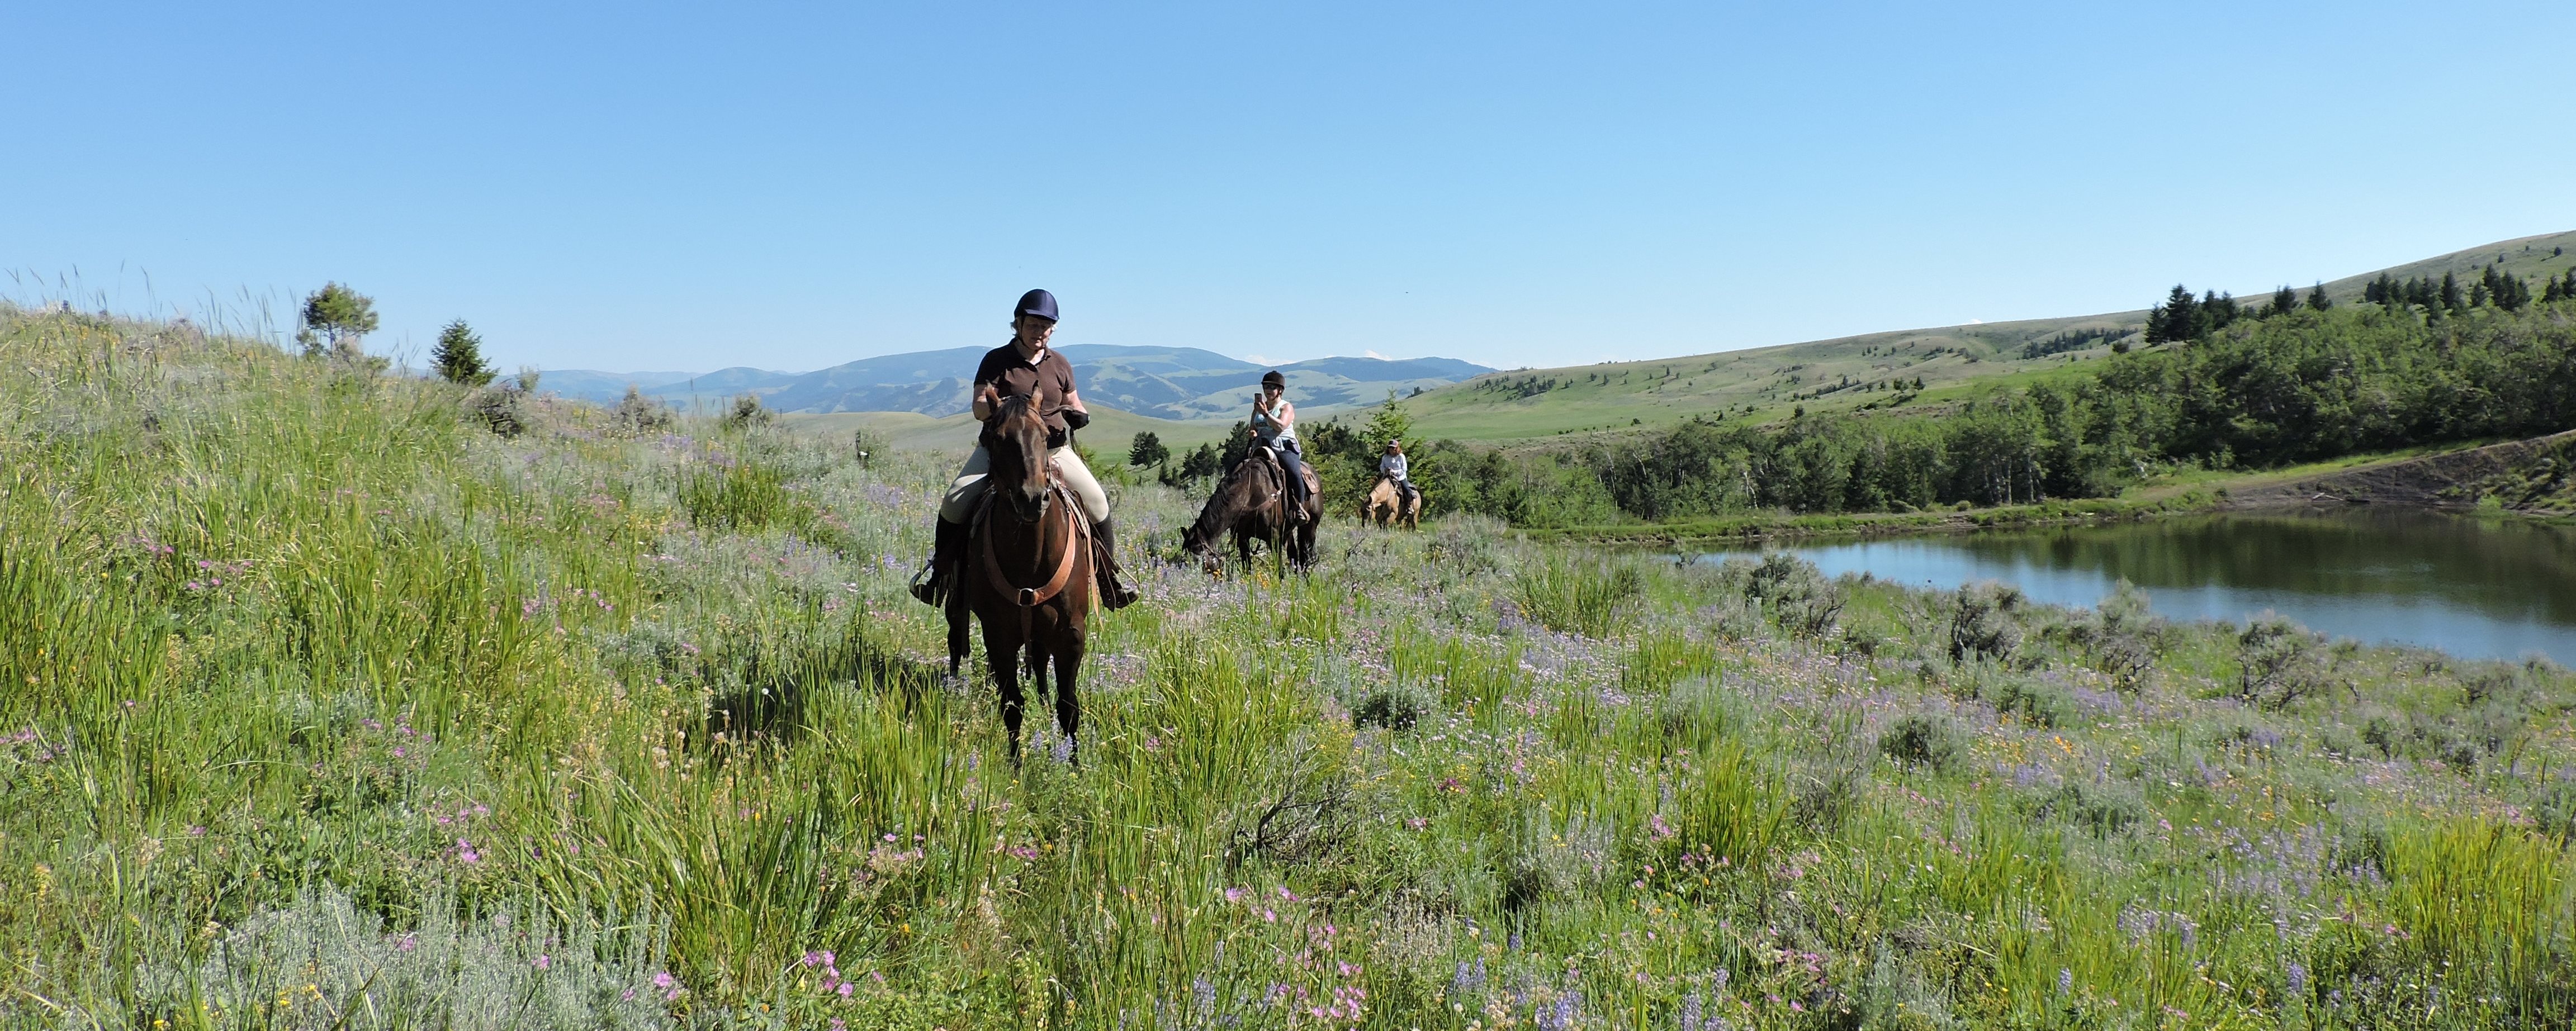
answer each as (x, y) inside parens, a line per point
(1929, 740)
(1795, 594)
(1985, 622)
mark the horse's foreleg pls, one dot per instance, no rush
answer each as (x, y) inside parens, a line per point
(1004, 657)
(1068, 705)
(1037, 665)
(957, 619)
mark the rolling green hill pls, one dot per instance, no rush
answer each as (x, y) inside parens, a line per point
(1110, 430)
(1845, 373)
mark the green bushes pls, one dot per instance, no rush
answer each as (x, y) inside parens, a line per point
(1985, 622)
(1928, 740)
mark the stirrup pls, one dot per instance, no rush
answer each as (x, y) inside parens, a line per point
(926, 586)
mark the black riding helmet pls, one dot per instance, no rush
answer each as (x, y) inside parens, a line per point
(1036, 302)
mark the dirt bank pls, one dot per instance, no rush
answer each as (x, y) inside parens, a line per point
(2431, 480)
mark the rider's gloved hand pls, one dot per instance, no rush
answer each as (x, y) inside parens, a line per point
(1076, 418)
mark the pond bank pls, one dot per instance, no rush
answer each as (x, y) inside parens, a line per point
(2451, 479)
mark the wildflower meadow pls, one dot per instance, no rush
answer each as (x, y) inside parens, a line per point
(333, 697)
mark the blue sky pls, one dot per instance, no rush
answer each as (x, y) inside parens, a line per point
(649, 186)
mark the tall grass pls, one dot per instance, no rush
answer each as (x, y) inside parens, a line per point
(323, 706)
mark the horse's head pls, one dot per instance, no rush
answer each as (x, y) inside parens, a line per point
(1015, 439)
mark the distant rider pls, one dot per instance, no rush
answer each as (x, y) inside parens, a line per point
(1392, 466)
(1274, 426)
(1025, 366)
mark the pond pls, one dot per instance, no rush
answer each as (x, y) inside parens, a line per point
(2476, 588)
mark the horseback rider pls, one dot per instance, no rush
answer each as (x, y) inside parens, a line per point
(1391, 465)
(1025, 366)
(1274, 426)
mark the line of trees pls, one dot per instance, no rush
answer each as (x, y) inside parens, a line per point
(2494, 288)
(2297, 385)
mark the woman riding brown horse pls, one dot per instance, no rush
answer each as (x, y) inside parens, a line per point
(1028, 572)
(1253, 503)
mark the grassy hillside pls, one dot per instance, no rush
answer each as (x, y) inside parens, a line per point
(330, 707)
(1760, 384)
(1110, 431)
(1768, 383)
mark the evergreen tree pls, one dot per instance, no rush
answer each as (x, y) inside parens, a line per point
(2511, 293)
(2317, 300)
(2451, 299)
(2283, 300)
(459, 356)
(1147, 449)
(1389, 422)
(2217, 310)
(335, 319)
(2176, 319)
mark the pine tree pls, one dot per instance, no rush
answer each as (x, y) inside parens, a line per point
(2283, 300)
(2176, 319)
(2511, 293)
(1147, 449)
(2451, 300)
(2217, 310)
(335, 319)
(2317, 299)
(459, 356)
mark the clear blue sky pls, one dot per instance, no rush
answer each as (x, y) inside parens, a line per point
(652, 186)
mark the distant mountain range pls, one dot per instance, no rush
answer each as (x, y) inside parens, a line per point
(1164, 382)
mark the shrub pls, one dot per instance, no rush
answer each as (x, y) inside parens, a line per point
(1985, 622)
(2102, 809)
(1577, 595)
(1796, 594)
(1547, 861)
(637, 415)
(502, 409)
(522, 966)
(2280, 662)
(1929, 740)
(1395, 706)
(1697, 714)
(2038, 701)
(746, 411)
(2121, 636)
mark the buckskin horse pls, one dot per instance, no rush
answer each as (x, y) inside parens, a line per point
(1388, 504)
(1252, 503)
(1027, 573)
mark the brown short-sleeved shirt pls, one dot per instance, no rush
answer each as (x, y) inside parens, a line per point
(1049, 380)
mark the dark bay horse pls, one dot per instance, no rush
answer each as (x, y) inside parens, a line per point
(1252, 503)
(1027, 570)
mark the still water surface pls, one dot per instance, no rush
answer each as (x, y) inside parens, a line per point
(2474, 588)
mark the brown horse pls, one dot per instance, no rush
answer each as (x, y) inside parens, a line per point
(1252, 503)
(1387, 505)
(1027, 570)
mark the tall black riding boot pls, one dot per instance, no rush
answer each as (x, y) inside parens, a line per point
(1115, 594)
(947, 542)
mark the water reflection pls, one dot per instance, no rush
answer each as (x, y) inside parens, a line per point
(2471, 587)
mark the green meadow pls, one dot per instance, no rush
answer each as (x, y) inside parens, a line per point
(342, 699)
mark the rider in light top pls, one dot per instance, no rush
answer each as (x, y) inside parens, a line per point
(1025, 366)
(1274, 425)
(1392, 466)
